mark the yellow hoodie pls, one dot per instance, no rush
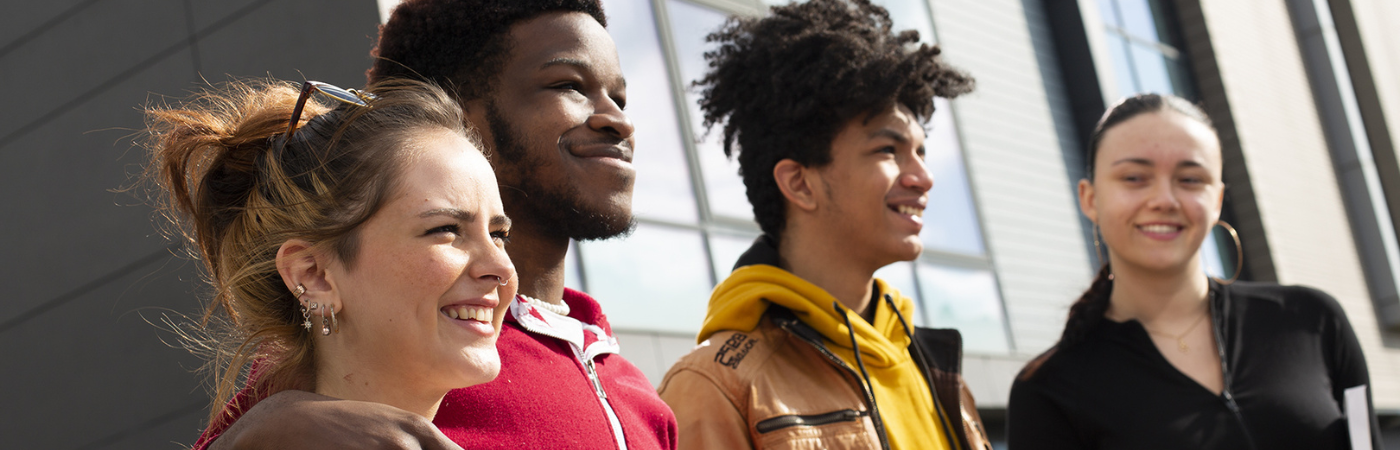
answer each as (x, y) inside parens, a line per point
(906, 405)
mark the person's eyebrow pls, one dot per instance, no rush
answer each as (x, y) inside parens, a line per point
(581, 65)
(892, 134)
(459, 214)
(500, 220)
(1142, 161)
(567, 62)
(1189, 163)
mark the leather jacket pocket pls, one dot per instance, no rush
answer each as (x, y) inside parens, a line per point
(809, 420)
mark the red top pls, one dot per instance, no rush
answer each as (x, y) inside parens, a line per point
(544, 396)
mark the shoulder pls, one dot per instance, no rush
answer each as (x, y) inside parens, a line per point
(1302, 300)
(730, 354)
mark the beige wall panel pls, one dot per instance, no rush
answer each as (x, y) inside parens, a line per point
(1376, 21)
(1293, 179)
(1016, 164)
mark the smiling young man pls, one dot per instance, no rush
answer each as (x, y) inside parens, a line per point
(541, 83)
(801, 344)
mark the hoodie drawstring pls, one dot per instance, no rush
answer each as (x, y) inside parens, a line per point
(869, 387)
(928, 372)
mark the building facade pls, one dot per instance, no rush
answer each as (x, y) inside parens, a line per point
(1302, 92)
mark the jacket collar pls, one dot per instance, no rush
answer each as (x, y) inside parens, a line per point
(586, 329)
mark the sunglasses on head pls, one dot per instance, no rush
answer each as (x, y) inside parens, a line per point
(350, 96)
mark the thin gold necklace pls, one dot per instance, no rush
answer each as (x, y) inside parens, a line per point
(1181, 338)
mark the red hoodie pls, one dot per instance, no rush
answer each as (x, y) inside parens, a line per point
(545, 396)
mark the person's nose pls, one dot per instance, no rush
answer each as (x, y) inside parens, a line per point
(1163, 196)
(609, 118)
(494, 267)
(916, 176)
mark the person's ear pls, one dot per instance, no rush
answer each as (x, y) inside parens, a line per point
(796, 182)
(304, 271)
(1088, 203)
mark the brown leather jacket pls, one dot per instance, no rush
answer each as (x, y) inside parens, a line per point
(778, 387)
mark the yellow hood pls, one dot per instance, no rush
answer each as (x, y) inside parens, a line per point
(740, 301)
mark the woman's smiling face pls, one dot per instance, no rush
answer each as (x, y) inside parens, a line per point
(1156, 191)
(423, 303)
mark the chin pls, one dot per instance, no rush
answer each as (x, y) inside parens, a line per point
(477, 366)
(904, 250)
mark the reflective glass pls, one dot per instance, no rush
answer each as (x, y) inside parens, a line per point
(1122, 68)
(966, 300)
(1211, 259)
(1109, 14)
(950, 222)
(900, 276)
(655, 280)
(723, 186)
(663, 189)
(1140, 19)
(1151, 68)
(1218, 256)
(725, 250)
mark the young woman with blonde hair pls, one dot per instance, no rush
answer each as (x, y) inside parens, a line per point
(355, 251)
(1156, 354)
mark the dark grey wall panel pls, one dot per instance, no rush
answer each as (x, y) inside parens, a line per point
(67, 227)
(82, 268)
(292, 41)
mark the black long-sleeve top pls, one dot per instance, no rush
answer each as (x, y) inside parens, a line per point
(1288, 355)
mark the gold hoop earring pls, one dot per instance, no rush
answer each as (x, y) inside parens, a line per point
(1239, 252)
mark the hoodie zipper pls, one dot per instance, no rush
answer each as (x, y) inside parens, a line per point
(597, 383)
(869, 396)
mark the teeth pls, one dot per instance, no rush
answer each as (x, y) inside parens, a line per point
(466, 312)
(911, 210)
(1159, 228)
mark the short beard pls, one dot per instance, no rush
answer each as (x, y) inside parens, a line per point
(557, 208)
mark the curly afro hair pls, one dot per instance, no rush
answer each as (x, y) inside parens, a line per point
(785, 85)
(460, 44)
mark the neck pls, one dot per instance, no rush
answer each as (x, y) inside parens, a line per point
(1157, 297)
(827, 264)
(341, 376)
(539, 259)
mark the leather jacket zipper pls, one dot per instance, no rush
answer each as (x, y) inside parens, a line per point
(810, 420)
(869, 396)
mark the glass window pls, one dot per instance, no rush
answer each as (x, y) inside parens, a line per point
(1122, 65)
(1140, 19)
(900, 276)
(1151, 69)
(725, 250)
(723, 186)
(966, 300)
(662, 189)
(658, 279)
(950, 222)
(572, 278)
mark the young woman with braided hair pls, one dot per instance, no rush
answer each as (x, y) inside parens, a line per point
(1156, 354)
